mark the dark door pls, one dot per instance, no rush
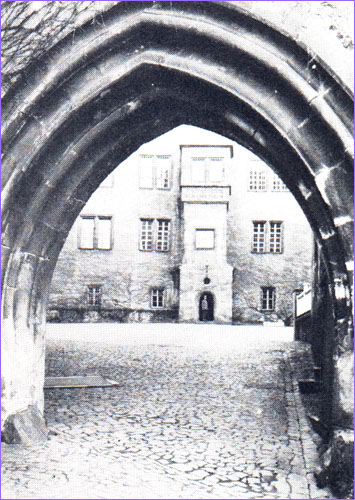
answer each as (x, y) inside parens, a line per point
(206, 307)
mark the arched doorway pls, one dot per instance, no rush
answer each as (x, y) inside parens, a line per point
(145, 68)
(206, 307)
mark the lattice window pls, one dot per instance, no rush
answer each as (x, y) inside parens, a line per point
(277, 184)
(257, 180)
(259, 237)
(157, 298)
(275, 237)
(94, 295)
(268, 298)
(146, 239)
(163, 235)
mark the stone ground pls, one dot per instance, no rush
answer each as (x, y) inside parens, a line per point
(200, 412)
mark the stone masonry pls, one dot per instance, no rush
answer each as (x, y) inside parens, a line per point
(236, 273)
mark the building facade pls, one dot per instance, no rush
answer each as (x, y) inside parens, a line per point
(192, 227)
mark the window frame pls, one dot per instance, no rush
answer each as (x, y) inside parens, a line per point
(168, 232)
(206, 162)
(272, 233)
(213, 231)
(95, 234)
(94, 295)
(221, 161)
(277, 184)
(141, 221)
(155, 169)
(169, 170)
(270, 297)
(145, 156)
(258, 171)
(155, 234)
(158, 290)
(268, 234)
(264, 223)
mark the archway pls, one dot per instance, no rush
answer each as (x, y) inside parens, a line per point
(93, 99)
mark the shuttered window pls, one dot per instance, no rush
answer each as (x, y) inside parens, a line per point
(95, 232)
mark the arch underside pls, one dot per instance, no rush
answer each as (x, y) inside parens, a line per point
(149, 67)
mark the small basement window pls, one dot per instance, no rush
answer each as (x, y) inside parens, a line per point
(157, 298)
(94, 295)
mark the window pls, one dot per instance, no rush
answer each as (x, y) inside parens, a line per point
(157, 298)
(275, 237)
(146, 171)
(267, 237)
(215, 170)
(155, 234)
(95, 233)
(277, 184)
(204, 239)
(87, 232)
(163, 166)
(268, 297)
(259, 237)
(146, 241)
(94, 295)
(154, 171)
(163, 236)
(207, 170)
(198, 171)
(264, 179)
(257, 180)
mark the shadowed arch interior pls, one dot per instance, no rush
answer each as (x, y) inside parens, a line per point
(148, 67)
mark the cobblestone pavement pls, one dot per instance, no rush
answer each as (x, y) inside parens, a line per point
(200, 412)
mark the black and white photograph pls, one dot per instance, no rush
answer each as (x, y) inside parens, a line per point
(177, 249)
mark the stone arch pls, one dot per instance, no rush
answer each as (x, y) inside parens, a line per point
(99, 94)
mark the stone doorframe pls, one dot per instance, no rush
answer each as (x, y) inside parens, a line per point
(146, 68)
(211, 305)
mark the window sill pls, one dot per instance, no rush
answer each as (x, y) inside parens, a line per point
(97, 249)
(270, 253)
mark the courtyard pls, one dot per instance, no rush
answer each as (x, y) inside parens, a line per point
(199, 411)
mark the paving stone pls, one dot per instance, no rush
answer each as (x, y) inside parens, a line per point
(184, 423)
(184, 467)
(198, 474)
